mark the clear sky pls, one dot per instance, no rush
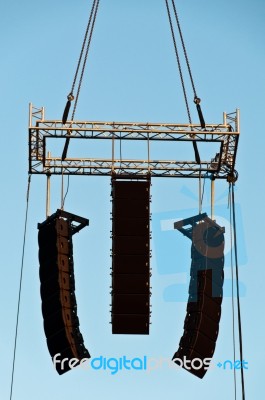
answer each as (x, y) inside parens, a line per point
(131, 76)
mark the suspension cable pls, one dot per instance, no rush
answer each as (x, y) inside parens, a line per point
(196, 152)
(184, 48)
(178, 61)
(203, 189)
(70, 97)
(20, 287)
(83, 47)
(238, 294)
(232, 288)
(62, 190)
(66, 192)
(197, 100)
(85, 58)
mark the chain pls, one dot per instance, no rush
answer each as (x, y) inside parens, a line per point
(179, 64)
(85, 59)
(184, 49)
(83, 47)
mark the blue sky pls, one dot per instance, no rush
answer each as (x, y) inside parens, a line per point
(131, 76)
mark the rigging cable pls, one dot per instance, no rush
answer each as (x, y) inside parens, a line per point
(203, 188)
(197, 100)
(196, 152)
(238, 295)
(85, 59)
(201, 191)
(232, 288)
(70, 97)
(20, 287)
(66, 193)
(178, 61)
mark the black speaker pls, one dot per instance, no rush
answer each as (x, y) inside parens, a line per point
(57, 289)
(130, 256)
(201, 326)
(131, 263)
(208, 305)
(131, 283)
(130, 303)
(130, 245)
(133, 324)
(130, 189)
(126, 226)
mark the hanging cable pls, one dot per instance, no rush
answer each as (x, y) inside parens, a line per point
(62, 190)
(200, 193)
(67, 190)
(184, 48)
(203, 188)
(238, 294)
(196, 152)
(93, 16)
(70, 96)
(20, 288)
(197, 100)
(85, 59)
(178, 61)
(232, 288)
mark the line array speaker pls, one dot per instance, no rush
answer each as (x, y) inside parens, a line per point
(59, 309)
(201, 325)
(130, 312)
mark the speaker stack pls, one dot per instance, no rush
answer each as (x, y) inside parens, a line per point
(59, 308)
(201, 326)
(130, 312)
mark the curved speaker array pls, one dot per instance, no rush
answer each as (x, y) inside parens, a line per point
(59, 309)
(131, 279)
(201, 325)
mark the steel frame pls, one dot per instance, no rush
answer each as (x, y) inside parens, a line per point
(77, 223)
(219, 166)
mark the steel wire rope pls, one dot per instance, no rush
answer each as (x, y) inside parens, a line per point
(66, 192)
(83, 46)
(93, 16)
(70, 96)
(20, 288)
(179, 63)
(196, 152)
(238, 294)
(203, 189)
(197, 100)
(184, 48)
(85, 58)
(232, 287)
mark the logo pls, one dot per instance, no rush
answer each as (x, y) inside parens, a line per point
(144, 364)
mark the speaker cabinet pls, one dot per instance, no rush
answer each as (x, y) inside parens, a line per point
(201, 325)
(130, 256)
(57, 289)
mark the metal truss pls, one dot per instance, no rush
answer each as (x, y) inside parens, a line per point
(219, 166)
